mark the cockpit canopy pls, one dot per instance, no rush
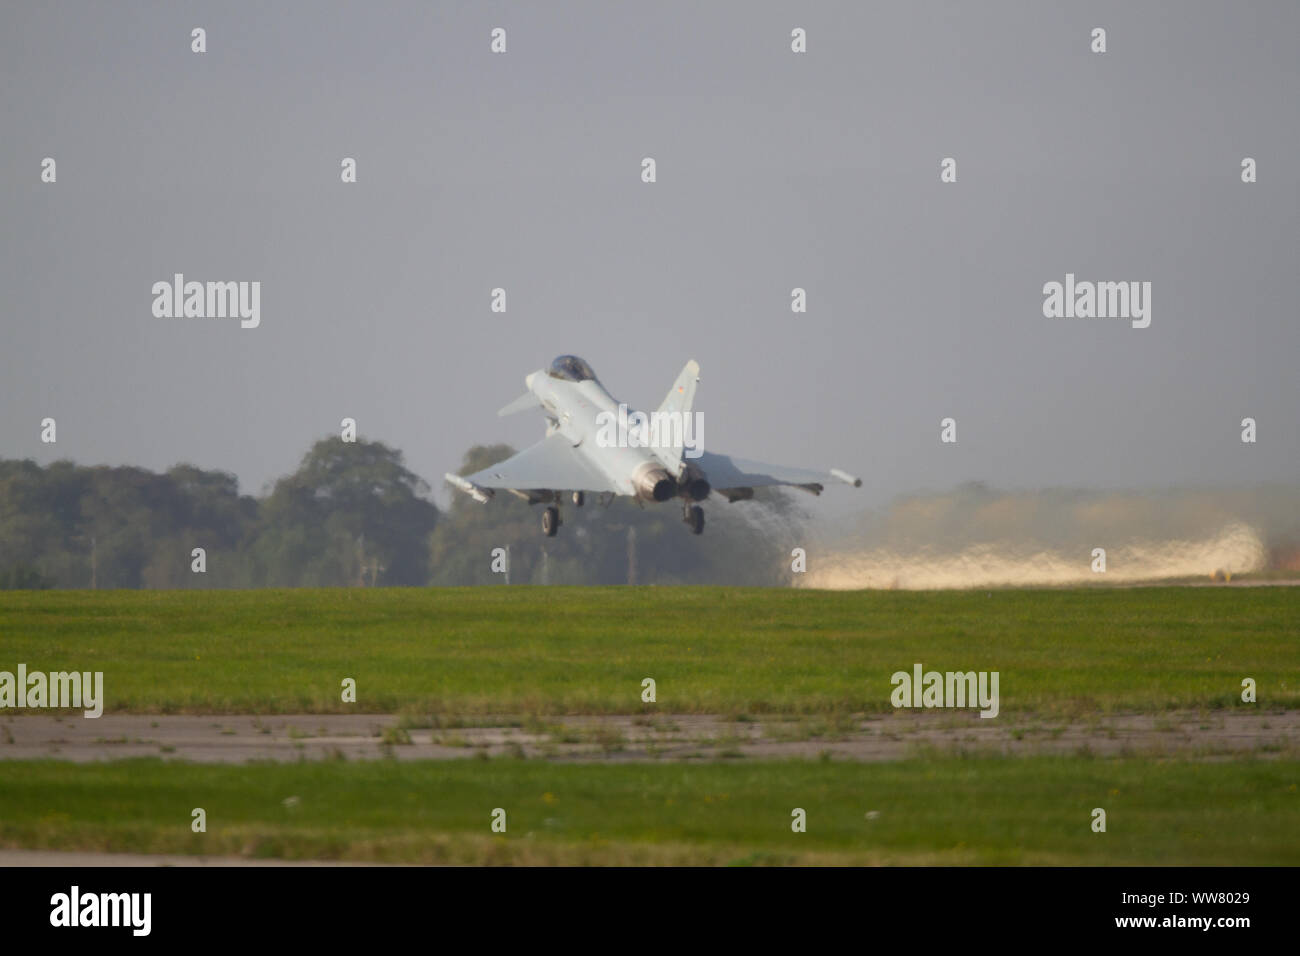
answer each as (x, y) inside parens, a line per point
(571, 369)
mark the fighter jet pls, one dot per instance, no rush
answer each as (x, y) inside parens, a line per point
(596, 445)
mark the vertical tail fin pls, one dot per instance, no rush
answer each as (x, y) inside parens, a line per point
(679, 402)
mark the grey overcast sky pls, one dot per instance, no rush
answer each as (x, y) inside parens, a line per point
(775, 170)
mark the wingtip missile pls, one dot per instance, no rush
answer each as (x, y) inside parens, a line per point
(845, 477)
(481, 495)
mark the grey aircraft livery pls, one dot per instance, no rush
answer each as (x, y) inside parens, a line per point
(594, 444)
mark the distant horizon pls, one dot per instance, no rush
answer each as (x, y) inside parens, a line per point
(919, 491)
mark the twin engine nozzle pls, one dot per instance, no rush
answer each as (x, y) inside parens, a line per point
(655, 484)
(694, 485)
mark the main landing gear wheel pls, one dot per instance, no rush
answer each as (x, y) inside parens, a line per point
(696, 519)
(577, 499)
(550, 522)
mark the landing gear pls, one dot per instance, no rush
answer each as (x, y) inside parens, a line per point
(550, 522)
(694, 517)
(577, 499)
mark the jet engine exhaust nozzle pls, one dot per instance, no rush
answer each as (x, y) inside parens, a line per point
(655, 484)
(698, 489)
(694, 486)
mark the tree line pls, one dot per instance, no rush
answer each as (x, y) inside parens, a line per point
(352, 514)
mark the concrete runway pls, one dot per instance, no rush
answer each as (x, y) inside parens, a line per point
(877, 737)
(883, 737)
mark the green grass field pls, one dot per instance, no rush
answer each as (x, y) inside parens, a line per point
(524, 650)
(1033, 810)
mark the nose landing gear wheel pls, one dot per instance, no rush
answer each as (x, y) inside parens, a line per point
(696, 519)
(577, 499)
(550, 522)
